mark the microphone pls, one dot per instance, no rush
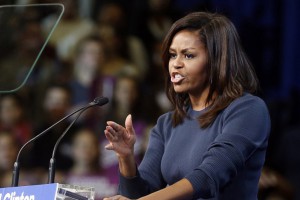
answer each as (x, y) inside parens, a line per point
(15, 176)
(51, 176)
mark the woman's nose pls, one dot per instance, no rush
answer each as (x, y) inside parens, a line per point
(178, 63)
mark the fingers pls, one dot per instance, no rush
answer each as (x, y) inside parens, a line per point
(113, 131)
(109, 146)
(115, 126)
(110, 133)
(118, 135)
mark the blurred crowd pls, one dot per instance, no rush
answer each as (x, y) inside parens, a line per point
(111, 48)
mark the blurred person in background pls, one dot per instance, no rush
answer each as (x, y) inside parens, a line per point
(86, 169)
(274, 186)
(117, 60)
(87, 82)
(150, 22)
(13, 117)
(87, 61)
(71, 28)
(157, 101)
(127, 98)
(9, 147)
(125, 52)
(56, 105)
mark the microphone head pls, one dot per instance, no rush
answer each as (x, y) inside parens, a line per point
(100, 101)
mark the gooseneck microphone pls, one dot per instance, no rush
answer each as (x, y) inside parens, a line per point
(99, 101)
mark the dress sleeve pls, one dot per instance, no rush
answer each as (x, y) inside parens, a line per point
(245, 126)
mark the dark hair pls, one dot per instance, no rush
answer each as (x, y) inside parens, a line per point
(230, 72)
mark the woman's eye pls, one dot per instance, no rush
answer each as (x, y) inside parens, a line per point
(172, 55)
(189, 56)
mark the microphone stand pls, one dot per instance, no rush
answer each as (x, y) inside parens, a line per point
(51, 175)
(16, 169)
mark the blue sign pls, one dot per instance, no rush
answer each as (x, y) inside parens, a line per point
(33, 192)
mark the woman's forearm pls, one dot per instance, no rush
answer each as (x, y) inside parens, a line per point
(181, 190)
(127, 166)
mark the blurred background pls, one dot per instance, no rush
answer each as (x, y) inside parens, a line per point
(52, 65)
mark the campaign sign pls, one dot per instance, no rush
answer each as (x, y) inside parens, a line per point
(32, 192)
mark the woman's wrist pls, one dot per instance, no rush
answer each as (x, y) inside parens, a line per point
(127, 165)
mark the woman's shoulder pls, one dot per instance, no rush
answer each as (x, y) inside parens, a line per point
(166, 117)
(164, 122)
(248, 102)
(249, 99)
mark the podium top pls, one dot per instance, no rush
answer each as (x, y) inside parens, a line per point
(53, 191)
(71, 192)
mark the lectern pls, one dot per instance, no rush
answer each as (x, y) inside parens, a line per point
(54, 191)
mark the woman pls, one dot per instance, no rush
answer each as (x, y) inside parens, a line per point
(213, 145)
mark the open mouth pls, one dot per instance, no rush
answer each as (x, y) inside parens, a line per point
(176, 78)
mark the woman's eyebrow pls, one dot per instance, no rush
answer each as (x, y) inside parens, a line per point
(183, 50)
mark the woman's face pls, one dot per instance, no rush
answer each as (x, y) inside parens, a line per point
(10, 112)
(91, 56)
(188, 63)
(8, 152)
(85, 148)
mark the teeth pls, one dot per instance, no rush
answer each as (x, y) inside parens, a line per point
(178, 76)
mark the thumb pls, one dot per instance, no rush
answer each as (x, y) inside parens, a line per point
(128, 125)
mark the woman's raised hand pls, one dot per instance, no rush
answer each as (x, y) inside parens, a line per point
(121, 139)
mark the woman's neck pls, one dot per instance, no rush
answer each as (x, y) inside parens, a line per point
(199, 101)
